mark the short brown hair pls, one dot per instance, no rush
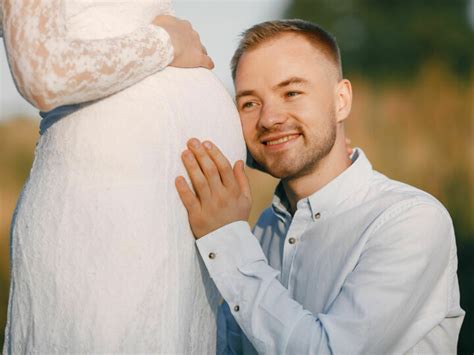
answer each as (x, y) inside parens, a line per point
(264, 31)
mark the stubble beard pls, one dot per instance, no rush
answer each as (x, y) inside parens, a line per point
(302, 163)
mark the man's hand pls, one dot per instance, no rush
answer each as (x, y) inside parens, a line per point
(222, 192)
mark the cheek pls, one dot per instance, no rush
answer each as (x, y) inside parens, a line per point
(249, 125)
(317, 113)
(249, 131)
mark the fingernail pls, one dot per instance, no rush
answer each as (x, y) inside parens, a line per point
(194, 143)
(207, 145)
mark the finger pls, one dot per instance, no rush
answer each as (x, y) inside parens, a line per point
(222, 164)
(187, 24)
(190, 201)
(348, 141)
(207, 165)
(199, 181)
(207, 62)
(242, 179)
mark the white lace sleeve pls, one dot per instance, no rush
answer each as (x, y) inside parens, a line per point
(51, 70)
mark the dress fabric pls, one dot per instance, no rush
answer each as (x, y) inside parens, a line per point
(103, 259)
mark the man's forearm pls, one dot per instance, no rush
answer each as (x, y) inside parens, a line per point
(258, 301)
(381, 307)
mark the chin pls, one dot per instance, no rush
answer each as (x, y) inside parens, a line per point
(280, 172)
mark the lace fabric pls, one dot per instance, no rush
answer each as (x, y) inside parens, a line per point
(52, 70)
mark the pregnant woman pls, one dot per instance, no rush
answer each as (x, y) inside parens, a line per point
(103, 259)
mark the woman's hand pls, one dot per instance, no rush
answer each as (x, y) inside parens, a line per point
(188, 49)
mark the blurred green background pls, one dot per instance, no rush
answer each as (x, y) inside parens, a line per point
(411, 66)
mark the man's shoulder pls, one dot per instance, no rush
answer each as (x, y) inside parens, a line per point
(395, 199)
(382, 187)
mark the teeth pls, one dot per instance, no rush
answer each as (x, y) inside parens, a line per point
(282, 140)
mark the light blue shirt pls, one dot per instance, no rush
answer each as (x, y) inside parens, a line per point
(366, 265)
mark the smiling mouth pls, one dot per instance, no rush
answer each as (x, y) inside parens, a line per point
(281, 140)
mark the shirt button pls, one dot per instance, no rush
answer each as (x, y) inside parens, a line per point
(237, 308)
(212, 255)
(292, 240)
(317, 215)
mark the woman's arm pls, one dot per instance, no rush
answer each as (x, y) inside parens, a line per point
(51, 70)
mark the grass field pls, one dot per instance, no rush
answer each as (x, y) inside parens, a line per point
(419, 131)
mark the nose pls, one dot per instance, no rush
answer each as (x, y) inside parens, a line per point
(271, 115)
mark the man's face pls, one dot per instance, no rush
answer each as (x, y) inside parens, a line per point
(286, 96)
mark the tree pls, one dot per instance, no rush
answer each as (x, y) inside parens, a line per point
(393, 38)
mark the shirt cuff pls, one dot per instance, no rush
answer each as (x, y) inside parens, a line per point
(228, 248)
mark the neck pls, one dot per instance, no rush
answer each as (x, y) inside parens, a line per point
(326, 170)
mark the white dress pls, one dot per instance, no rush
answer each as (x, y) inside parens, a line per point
(103, 259)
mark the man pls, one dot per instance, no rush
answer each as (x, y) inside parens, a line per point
(345, 260)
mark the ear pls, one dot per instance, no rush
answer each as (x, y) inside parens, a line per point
(343, 100)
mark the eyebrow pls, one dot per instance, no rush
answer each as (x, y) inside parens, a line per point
(292, 80)
(244, 93)
(287, 82)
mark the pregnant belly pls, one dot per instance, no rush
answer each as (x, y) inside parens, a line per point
(141, 131)
(100, 217)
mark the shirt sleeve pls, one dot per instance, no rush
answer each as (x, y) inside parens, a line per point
(229, 334)
(52, 70)
(406, 262)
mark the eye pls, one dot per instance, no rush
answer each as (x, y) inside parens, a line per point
(247, 105)
(292, 93)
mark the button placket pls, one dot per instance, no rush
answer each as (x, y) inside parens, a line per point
(302, 220)
(297, 227)
(288, 252)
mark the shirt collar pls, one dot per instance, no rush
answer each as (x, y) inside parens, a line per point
(330, 196)
(280, 204)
